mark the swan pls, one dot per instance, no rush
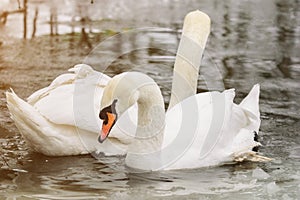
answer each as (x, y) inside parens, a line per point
(206, 129)
(48, 121)
(59, 120)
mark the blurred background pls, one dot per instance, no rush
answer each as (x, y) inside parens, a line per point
(251, 42)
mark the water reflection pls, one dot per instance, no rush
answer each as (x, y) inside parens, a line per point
(83, 176)
(287, 25)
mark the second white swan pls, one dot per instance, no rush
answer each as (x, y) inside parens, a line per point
(203, 130)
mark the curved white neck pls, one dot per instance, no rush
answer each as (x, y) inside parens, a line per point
(150, 130)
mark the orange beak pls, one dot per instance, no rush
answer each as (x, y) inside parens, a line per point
(106, 127)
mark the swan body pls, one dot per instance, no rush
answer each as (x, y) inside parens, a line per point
(62, 119)
(203, 130)
(51, 125)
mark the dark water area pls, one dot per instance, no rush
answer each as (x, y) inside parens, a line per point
(250, 42)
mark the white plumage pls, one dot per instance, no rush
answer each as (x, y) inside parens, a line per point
(203, 130)
(50, 123)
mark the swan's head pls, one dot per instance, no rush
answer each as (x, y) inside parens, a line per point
(109, 117)
(121, 92)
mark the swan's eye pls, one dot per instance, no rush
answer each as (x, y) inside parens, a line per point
(103, 116)
(109, 109)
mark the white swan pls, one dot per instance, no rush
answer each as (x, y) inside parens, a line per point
(203, 130)
(48, 120)
(60, 119)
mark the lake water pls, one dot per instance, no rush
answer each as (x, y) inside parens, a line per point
(251, 42)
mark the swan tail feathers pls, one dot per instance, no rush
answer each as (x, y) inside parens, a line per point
(28, 120)
(39, 133)
(21, 112)
(18, 110)
(251, 101)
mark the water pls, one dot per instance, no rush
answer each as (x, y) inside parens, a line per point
(251, 42)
